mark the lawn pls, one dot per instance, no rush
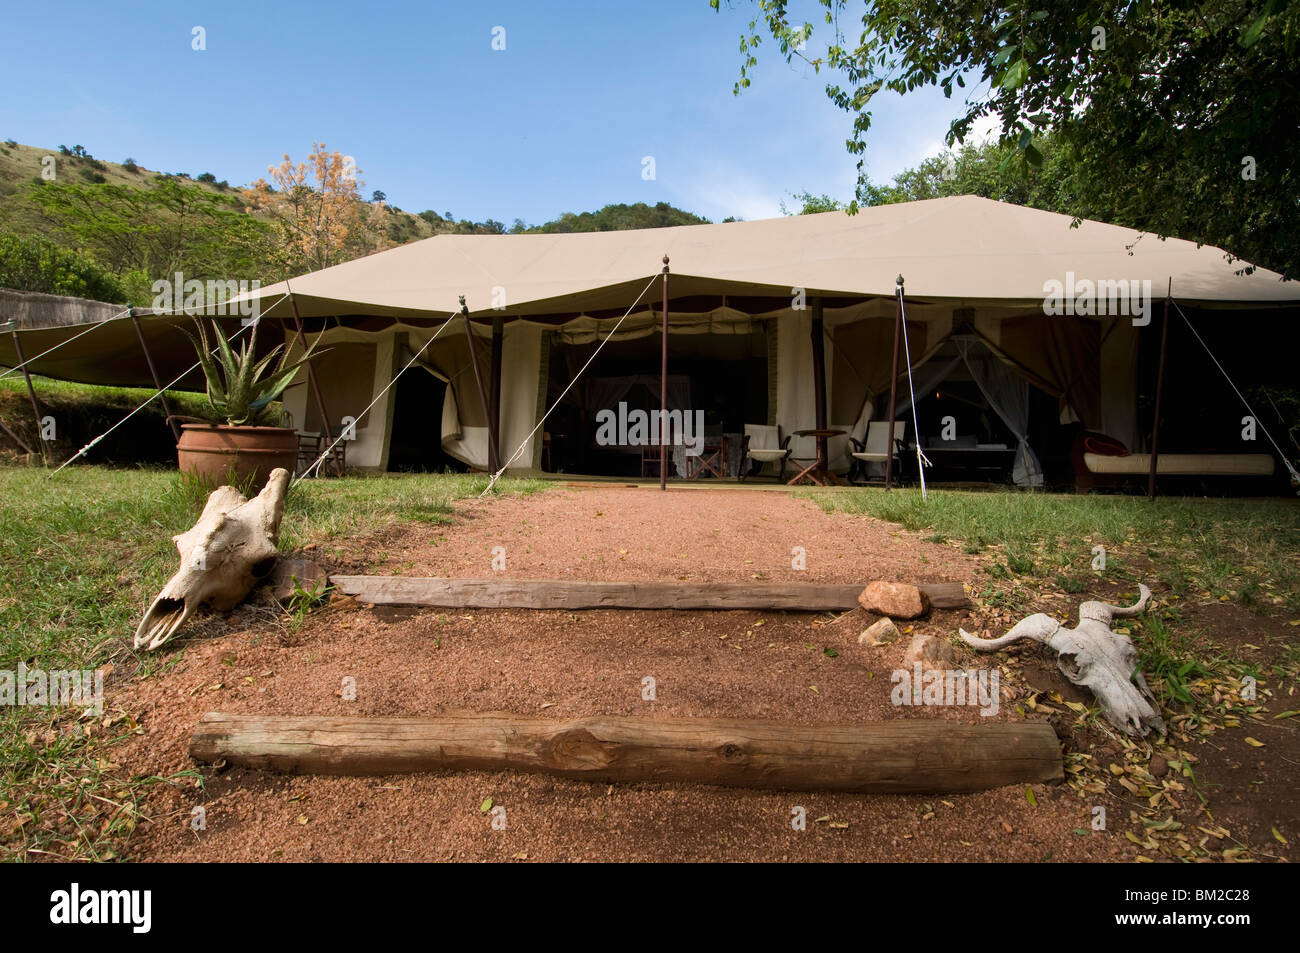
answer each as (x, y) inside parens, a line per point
(83, 553)
(1241, 551)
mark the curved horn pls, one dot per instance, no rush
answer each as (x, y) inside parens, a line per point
(1039, 627)
(1144, 597)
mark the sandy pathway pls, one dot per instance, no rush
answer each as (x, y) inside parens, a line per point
(802, 668)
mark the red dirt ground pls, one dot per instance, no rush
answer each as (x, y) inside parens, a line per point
(562, 665)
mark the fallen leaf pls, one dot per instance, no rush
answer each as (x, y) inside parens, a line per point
(485, 806)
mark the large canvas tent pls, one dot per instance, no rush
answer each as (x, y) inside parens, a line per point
(975, 269)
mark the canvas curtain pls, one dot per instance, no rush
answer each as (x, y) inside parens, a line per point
(1060, 355)
(1008, 395)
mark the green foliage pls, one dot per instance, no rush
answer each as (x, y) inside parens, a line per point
(240, 387)
(812, 204)
(305, 598)
(613, 218)
(38, 265)
(988, 170)
(1180, 117)
(160, 228)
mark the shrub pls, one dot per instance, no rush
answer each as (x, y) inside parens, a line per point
(130, 166)
(39, 265)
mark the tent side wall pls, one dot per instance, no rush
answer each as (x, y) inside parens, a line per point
(355, 366)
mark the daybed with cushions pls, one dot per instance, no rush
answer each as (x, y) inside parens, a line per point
(1100, 460)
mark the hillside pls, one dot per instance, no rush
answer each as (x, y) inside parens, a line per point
(108, 229)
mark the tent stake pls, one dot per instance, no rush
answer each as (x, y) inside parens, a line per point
(893, 388)
(494, 456)
(31, 391)
(663, 391)
(153, 372)
(1160, 387)
(311, 381)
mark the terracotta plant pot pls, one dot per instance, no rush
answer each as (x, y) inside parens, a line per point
(218, 454)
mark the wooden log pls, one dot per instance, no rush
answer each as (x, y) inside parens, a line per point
(570, 594)
(907, 756)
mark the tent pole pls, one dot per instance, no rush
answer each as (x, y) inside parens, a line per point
(153, 372)
(311, 381)
(494, 384)
(663, 390)
(15, 438)
(494, 457)
(819, 381)
(893, 388)
(31, 391)
(1160, 387)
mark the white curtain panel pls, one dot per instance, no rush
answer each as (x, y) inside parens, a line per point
(1008, 395)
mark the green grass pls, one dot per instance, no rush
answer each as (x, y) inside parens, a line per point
(83, 552)
(1245, 550)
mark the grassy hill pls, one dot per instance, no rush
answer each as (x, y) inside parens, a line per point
(24, 217)
(21, 165)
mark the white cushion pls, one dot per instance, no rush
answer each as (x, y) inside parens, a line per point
(763, 437)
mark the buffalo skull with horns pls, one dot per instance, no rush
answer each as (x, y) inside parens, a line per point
(228, 551)
(1092, 655)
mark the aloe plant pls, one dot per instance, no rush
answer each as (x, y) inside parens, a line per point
(241, 388)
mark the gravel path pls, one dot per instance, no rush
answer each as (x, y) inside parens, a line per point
(802, 668)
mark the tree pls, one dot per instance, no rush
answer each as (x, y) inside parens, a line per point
(613, 218)
(377, 196)
(812, 204)
(1180, 117)
(984, 170)
(320, 222)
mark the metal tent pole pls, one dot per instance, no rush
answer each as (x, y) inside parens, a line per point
(153, 373)
(494, 455)
(31, 391)
(663, 390)
(893, 387)
(1160, 387)
(311, 382)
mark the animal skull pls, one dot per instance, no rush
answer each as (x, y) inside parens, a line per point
(228, 551)
(1093, 656)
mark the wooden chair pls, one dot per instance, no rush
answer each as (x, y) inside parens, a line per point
(311, 444)
(875, 447)
(763, 445)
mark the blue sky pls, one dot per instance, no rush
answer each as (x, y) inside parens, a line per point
(558, 121)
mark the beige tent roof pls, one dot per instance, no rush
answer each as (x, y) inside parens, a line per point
(966, 250)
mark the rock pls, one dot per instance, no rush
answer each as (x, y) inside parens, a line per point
(895, 599)
(884, 631)
(930, 652)
(1159, 767)
(307, 573)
